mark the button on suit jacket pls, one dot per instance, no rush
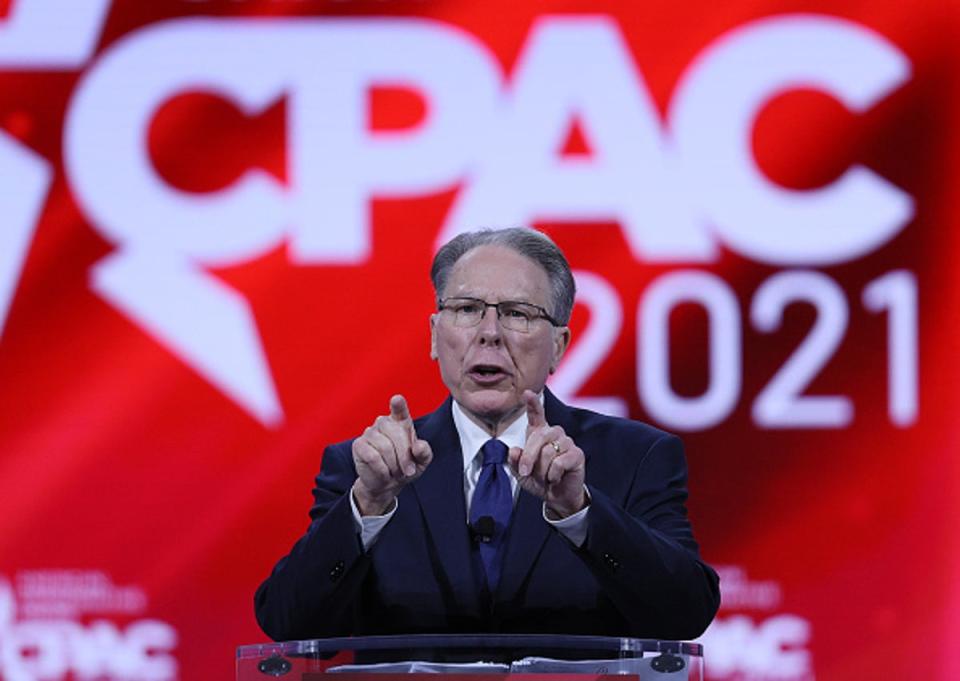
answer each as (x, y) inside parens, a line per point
(639, 572)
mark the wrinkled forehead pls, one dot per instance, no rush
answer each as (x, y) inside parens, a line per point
(494, 273)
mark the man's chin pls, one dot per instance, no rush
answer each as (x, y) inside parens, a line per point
(492, 412)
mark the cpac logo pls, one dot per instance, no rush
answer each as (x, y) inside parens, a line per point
(35, 35)
(770, 647)
(678, 189)
(774, 649)
(50, 649)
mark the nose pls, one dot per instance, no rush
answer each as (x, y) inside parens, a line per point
(488, 333)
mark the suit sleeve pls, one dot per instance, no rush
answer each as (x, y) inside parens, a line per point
(642, 552)
(313, 590)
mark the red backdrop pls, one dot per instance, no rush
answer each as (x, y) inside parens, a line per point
(217, 221)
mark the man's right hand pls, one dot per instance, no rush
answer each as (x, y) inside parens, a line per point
(388, 456)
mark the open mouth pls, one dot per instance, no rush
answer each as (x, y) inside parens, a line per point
(486, 373)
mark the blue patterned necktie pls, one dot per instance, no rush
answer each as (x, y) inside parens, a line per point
(492, 498)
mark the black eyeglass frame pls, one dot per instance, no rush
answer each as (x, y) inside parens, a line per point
(541, 311)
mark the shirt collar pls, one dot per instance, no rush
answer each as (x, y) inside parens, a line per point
(473, 436)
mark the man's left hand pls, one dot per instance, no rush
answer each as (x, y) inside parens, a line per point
(550, 465)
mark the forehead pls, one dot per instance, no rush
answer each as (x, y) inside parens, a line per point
(497, 273)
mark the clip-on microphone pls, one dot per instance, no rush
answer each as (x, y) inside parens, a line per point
(482, 529)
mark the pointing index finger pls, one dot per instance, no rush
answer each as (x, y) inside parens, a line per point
(400, 414)
(535, 416)
(398, 408)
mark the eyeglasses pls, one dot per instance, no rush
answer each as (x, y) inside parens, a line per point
(512, 314)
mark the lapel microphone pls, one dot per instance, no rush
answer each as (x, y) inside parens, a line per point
(482, 529)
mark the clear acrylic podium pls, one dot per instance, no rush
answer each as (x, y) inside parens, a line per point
(472, 658)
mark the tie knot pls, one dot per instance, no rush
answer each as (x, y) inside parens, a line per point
(494, 452)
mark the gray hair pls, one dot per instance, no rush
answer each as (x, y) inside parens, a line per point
(530, 243)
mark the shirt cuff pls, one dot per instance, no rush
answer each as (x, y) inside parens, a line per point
(369, 527)
(573, 527)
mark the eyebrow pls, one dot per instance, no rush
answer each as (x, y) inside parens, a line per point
(504, 300)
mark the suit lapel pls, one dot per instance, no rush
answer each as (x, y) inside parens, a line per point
(528, 529)
(440, 494)
(528, 532)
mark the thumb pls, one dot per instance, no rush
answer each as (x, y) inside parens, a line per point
(422, 452)
(513, 457)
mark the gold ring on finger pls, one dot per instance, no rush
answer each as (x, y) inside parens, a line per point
(556, 446)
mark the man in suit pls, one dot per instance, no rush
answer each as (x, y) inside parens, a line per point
(504, 510)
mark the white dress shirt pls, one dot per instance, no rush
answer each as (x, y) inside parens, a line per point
(472, 438)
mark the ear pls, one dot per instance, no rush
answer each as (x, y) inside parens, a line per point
(561, 341)
(433, 336)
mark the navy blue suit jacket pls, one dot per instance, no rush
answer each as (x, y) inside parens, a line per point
(638, 573)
